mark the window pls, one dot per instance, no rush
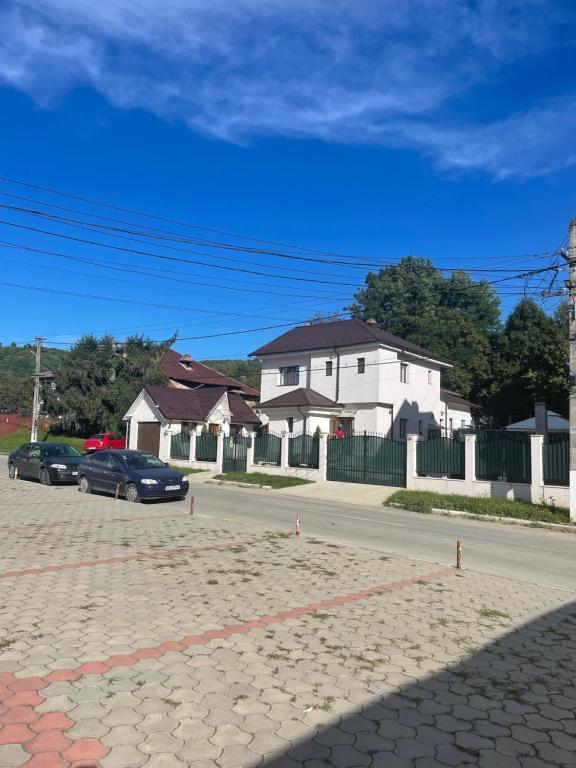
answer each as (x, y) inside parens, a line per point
(420, 427)
(289, 376)
(290, 422)
(403, 427)
(328, 367)
(451, 424)
(429, 377)
(361, 363)
(463, 424)
(404, 373)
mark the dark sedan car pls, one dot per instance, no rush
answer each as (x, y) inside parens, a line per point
(137, 474)
(47, 462)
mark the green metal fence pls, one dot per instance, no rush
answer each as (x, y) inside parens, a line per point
(440, 456)
(206, 447)
(267, 449)
(503, 456)
(235, 449)
(304, 451)
(556, 458)
(180, 446)
(372, 459)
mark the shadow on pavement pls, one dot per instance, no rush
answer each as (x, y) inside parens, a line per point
(510, 705)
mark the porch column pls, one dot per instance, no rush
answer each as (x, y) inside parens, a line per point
(251, 439)
(284, 450)
(411, 459)
(323, 456)
(537, 466)
(220, 452)
(470, 459)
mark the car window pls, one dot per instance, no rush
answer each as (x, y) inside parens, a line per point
(142, 461)
(24, 450)
(52, 451)
(114, 436)
(112, 462)
(96, 437)
(34, 452)
(99, 458)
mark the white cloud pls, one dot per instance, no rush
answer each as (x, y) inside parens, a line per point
(378, 71)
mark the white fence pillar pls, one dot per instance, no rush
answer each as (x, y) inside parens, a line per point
(537, 466)
(323, 456)
(411, 460)
(220, 452)
(284, 451)
(470, 458)
(192, 453)
(250, 445)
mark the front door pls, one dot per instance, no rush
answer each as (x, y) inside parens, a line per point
(149, 437)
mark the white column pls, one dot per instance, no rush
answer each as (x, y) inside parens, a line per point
(323, 456)
(284, 451)
(192, 454)
(470, 458)
(220, 452)
(537, 466)
(250, 451)
(411, 468)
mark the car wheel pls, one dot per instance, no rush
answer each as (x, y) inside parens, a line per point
(12, 471)
(132, 493)
(84, 485)
(45, 478)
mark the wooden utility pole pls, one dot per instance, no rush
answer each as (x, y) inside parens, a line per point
(36, 402)
(572, 338)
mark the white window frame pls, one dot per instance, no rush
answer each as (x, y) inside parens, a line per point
(329, 368)
(360, 365)
(295, 369)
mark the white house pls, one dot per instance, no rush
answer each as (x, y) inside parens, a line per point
(352, 374)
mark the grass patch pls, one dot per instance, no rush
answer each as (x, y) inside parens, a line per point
(423, 501)
(186, 470)
(9, 443)
(260, 478)
(491, 613)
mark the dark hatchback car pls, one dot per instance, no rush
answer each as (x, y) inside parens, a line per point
(139, 476)
(47, 462)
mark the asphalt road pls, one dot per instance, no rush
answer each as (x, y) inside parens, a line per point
(532, 555)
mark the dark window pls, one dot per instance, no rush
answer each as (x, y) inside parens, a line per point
(290, 421)
(429, 377)
(53, 451)
(419, 427)
(361, 363)
(403, 427)
(142, 461)
(289, 376)
(112, 462)
(404, 373)
(34, 452)
(24, 451)
(328, 367)
(96, 437)
(99, 458)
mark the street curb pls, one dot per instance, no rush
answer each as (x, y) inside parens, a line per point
(558, 527)
(238, 484)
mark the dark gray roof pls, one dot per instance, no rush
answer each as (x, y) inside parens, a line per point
(452, 397)
(302, 396)
(343, 333)
(196, 404)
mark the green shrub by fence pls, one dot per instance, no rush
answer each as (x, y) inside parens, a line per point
(503, 456)
(304, 451)
(206, 447)
(180, 446)
(556, 458)
(267, 449)
(440, 456)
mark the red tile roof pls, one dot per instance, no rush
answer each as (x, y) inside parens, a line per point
(200, 374)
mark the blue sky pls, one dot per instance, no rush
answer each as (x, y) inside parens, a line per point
(368, 128)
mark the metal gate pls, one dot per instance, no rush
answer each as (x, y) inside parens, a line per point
(234, 454)
(371, 459)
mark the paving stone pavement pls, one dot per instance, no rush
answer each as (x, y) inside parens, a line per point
(136, 635)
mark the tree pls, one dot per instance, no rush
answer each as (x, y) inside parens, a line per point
(325, 317)
(16, 395)
(98, 380)
(532, 364)
(455, 317)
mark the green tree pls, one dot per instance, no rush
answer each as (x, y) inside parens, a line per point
(16, 395)
(455, 317)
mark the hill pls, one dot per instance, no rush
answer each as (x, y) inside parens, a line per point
(246, 371)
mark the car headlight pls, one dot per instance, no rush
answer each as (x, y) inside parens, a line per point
(149, 481)
(59, 466)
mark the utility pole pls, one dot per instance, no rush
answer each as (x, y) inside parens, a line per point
(36, 402)
(572, 338)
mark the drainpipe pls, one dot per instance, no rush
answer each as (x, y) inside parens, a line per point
(337, 375)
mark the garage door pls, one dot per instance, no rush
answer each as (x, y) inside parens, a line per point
(149, 437)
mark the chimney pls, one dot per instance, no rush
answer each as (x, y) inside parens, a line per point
(541, 418)
(371, 321)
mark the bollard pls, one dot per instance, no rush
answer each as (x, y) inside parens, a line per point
(117, 491)
(459, 555)
(297, 523)
(192, 504)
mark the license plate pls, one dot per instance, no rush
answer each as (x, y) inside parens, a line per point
(172, 488)
(74, 473)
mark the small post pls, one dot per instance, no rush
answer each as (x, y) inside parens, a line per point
(117, 491)
(298, 526)
(192, 504)
(459, 555)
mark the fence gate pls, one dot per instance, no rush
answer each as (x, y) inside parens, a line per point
(368, 459)
(234, 454)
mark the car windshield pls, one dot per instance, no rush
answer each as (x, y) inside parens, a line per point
(96, 437)
(142, 461)
(52, 451)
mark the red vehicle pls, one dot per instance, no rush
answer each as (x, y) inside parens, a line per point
(104, 441)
